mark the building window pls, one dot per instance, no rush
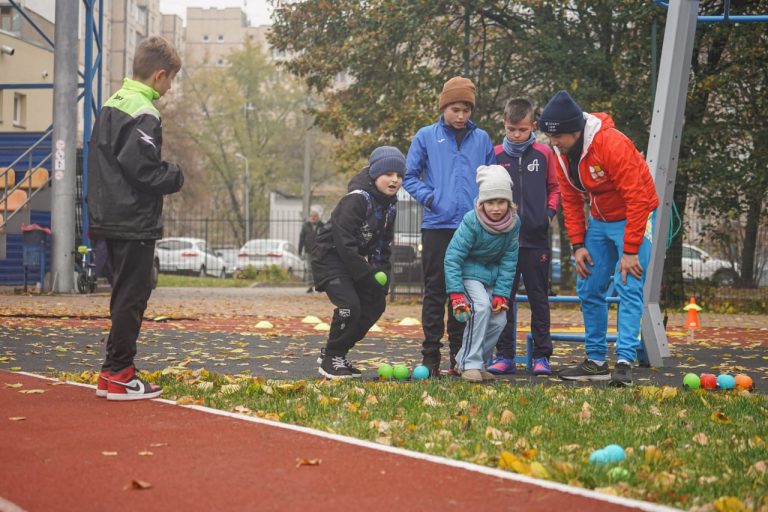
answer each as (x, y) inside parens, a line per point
(19, 109)
(221, 62)
(9, 19)
(205, 37)
(221, 37)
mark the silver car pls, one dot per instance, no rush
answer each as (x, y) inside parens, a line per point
(262, 253)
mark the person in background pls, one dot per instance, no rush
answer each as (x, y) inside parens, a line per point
(307, 242)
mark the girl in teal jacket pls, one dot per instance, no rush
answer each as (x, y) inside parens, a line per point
(480, 266)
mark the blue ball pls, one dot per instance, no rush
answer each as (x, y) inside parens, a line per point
(598, 457)
(420, 373)
(614, 453)
(726, 381)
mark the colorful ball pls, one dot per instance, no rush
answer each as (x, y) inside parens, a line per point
(380, 277)
(598, 457)
(421, 372)
(386, 371)
(691, 381)
(744, 382)
(708, 381)
(614, 453)
(401, 372)
(725, 381)
(618, 473)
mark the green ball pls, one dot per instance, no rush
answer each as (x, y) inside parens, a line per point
(386, 371)
(618, 473)
(691, 381)
(401, 372)
(380, 277)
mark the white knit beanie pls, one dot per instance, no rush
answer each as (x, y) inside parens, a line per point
(494, 183)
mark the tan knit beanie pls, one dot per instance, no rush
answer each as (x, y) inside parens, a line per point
(457, 89)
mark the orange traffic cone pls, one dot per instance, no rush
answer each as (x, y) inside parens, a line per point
(692, 322)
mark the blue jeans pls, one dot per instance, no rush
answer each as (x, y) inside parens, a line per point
(605, 243)
(483, 328)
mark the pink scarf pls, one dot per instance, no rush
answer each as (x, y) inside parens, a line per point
(503, 225)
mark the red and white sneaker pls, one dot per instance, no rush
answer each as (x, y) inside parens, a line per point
(101, 384)
(126, 385)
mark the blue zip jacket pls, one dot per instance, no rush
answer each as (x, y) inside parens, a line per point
(441, 175)
(476, 254)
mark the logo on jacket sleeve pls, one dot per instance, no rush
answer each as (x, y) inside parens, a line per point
(146, 138)
(596, 172)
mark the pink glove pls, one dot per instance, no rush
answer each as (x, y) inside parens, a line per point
(461, 310)
(499, 304)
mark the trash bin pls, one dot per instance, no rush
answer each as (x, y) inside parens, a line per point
(34, 241)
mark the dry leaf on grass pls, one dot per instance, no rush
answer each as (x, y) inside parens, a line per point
(308, 462)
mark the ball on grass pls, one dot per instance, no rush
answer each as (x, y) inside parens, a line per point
(421, 372)
(725, 381)
(708, 381)
(401, 372)
(618, 473)
(744, 382)
(598, 457)
(386, 371)
(691, 381)
(614, 453)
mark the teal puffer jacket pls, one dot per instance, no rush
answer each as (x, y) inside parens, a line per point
(476, 254)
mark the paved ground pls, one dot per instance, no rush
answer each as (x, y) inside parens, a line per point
(217, 329)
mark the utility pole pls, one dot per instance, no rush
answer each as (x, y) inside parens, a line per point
(307, 182)
(64, 147)
(247, 197)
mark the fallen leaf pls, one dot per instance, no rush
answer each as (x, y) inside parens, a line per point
(146, 453)
(17, 418)
(507, 417)
(308, 462)
(701, 438)
(156, 445)
(32, 391)
(15, 385)
(109, 454)
(721, 418)
(729, 504)
(138, 484)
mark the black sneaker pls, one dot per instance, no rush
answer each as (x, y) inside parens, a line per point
(587, 370)
(622, 375)
(356, 372)
(333, 367)
(431, 359)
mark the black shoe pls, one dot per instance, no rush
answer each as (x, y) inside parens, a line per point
(587, 370)
(356, 372)
(622, 375)
(333, 367)
(431, 359)
(310, 289)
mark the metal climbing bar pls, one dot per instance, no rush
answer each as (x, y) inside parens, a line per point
(726, 17)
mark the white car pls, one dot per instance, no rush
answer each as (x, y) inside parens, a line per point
(262, 253)
(189, 256)
(698, 264)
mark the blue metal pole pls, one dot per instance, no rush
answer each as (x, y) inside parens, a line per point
(87, 113)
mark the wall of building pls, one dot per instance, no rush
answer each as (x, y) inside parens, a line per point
(33, 64)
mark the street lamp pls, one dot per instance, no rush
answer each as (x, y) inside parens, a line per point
(247, 197)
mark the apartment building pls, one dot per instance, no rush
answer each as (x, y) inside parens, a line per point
(212, 34)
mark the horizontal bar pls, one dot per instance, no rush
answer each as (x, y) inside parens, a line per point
(565, 299)
(30, 86)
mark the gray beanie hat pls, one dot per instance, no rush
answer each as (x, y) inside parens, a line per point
(494, 183)
(386, 159)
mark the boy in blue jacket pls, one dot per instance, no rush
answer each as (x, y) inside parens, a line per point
(440, 174)
(480, 266)
(531, 165)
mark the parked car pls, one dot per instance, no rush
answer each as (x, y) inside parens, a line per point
(189, 256)
(406, 265)
(229, 254)
(262, 253)
(698, 264)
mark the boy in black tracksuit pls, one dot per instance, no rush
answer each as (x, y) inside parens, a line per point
(350, 260)
(126, 183)
(536, 192)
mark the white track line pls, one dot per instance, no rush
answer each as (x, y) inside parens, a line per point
(7, 506)
(498, 473)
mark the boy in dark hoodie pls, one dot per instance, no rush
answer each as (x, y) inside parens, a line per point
(350, 260)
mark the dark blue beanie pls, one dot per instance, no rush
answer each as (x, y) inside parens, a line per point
(386, 159)
(561, 115)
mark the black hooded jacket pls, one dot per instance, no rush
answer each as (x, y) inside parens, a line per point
(356, 240)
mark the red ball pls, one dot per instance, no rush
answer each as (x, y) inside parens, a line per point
(708, 381)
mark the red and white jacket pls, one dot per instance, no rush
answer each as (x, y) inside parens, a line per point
(615, 179)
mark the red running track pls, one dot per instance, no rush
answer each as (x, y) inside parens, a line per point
(202, 460)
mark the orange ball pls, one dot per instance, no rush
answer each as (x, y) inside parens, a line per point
(744, 382)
